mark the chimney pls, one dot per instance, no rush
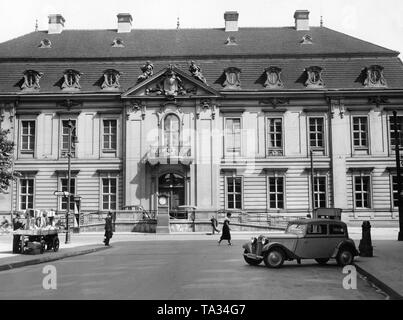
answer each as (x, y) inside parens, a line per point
(124, 22)
(301, 20)
(231, 20)
(56, 23)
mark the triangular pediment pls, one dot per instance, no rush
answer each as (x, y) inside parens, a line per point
(171, 82)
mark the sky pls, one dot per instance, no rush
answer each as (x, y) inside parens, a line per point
(379, 22)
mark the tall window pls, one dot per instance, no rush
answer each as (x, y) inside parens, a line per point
(316, 133)
(27, 135)
(109, 135)
(109, 193)
(362, 192)
(64, 183)
(319, 192)
(171, 133)
(395, 195)
(65, 137)
(26, 194)
(234, 192)
(233, 136)
(392, 130)
(276, 192)
(360, 132)
(275, 137)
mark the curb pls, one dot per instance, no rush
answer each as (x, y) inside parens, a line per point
(20, 264)
(381, 285)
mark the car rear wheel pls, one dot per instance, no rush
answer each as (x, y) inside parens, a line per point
(345, 257)
(322, 261)
(252, 262)
(274, 258)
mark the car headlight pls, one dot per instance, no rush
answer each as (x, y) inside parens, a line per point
(264, 240)
(253, 239)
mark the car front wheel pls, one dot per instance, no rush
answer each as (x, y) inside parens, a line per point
(252, 262)
(345, 257)
(322, 261)
(274, 258)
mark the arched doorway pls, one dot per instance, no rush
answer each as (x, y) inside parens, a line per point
(173, 186)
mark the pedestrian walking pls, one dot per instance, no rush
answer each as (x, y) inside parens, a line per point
(214, 224)
(226, 234)
(108, 228)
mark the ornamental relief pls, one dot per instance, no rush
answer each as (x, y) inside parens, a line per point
(135, 107)
(167, 108)
(232, 79)
(375, 77)
(273, 78)
(171, 86)
(111, 80)
(207, 109)
(314, 77)
(71, 80)
(7, 108)
(31, 80)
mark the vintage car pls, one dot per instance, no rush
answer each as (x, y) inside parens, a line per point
(319, 239)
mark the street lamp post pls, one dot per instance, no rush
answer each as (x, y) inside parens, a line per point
(312, 185)
(68, 234)
(399, 177)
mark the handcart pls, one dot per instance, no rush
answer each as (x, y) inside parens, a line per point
(36, 240)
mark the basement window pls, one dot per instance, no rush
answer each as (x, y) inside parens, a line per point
(45, 43)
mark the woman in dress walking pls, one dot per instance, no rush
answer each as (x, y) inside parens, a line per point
(226, 234)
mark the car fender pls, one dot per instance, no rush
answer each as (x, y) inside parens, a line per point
(345, 243)
(271, 245)
(247, 247)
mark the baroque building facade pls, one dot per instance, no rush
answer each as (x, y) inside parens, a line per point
(214, 118)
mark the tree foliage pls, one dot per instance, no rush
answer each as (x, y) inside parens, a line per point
(6, 161)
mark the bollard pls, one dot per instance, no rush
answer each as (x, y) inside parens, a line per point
(365, 247)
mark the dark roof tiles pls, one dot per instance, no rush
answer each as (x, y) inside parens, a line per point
(337, 73)
(78, 44)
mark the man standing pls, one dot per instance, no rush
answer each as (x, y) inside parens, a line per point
(108, 228)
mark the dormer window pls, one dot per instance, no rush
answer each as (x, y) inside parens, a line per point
(232, 78)
(273, 79)
(31, 80)
(45, 43)
(111, 80)
(231, 41)
(375, 78)
(314, 77)
(118, 43)
(306, 39)
(71, 80)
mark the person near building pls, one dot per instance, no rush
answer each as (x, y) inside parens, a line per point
(226, 234)
(108, 228)
(214, 224)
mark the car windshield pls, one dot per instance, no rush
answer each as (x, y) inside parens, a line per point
(296, 228)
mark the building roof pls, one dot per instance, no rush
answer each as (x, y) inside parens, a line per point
(343, 58)
(148, 44)
(337, 73)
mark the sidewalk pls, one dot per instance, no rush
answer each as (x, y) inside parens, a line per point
(385, 268)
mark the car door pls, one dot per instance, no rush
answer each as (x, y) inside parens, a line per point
(314, 243)
(337, 233)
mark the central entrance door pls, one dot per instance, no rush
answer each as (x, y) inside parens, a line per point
(173, 186)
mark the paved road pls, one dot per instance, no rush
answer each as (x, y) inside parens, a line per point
(179, 270)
